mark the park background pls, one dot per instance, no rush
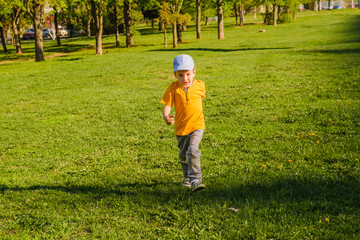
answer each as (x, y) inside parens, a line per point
(85, 153)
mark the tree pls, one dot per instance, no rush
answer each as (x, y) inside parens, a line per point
(3, 38)
(208, 9)
(236, 13)
(316, 6)
(56, 14)
(35, 9)
(165, 18)
(275, 13)
(97, 14)
(182, 20)
(128, 23)
(88, 18)
(57, 5)
(239, 12)
(176, 6)
(15, 13)
(151, 10)
(169, 13)
(4, 22)
(116, 23)
(198, 19)
(291, 6)
(220, 19)
(69, 12)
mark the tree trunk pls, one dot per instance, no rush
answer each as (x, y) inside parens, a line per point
(236, 14)
(241, 14)
(3, 38)
(255, 12)
(15, 23)
(99, 31)
(165, 38)
(88, 20)
(266, 19)
(278, 13)
(57, 27)
(207, 21)
(39, 19)
(97, 14)
(128, 23)
(179, 33)
(198, 19)
(70, 16)
(175, 44)
(316, 5)
(275, 13)
(15, 28)
(117, 38)
(220, 19)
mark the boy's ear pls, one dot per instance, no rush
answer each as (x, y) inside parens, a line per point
(175, 74)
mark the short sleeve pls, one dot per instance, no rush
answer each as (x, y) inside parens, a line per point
(168, 98)
(203, 92)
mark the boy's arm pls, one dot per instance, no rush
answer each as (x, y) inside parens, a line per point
(168, 119)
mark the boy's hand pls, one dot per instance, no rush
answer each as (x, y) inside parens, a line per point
(166, 112)
(169, 119)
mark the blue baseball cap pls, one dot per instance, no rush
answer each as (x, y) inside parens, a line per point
(183, 62)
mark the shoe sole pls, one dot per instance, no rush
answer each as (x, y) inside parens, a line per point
(198, 188)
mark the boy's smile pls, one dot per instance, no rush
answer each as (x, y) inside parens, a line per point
(185, 77)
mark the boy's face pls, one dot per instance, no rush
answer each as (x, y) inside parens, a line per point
(185, 77)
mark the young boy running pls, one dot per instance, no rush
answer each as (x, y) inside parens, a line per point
(186, 95)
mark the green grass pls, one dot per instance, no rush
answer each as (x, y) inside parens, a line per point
(85, 154)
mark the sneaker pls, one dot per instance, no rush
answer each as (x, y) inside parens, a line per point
(186, 183)
(196, 186)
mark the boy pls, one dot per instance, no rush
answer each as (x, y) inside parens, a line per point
(186, 94)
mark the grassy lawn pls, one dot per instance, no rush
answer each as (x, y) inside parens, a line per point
(85, 153)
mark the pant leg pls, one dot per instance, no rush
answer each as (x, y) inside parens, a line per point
(193, 155)
(183, 144)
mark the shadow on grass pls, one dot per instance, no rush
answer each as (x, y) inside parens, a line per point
(67, 48)
(62, 59)
(329, 195)
(217, 49)
(336, 51)
(120, 189)
(354, 25)
(29, 52)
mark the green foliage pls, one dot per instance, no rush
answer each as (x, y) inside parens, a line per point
(184, 19)
(85, 154)
(208, 8)
(285, 17)
(165, 15)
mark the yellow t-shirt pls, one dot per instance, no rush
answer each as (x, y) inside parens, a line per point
(188, 106)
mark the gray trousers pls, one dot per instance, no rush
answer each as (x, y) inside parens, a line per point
(189, 155)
